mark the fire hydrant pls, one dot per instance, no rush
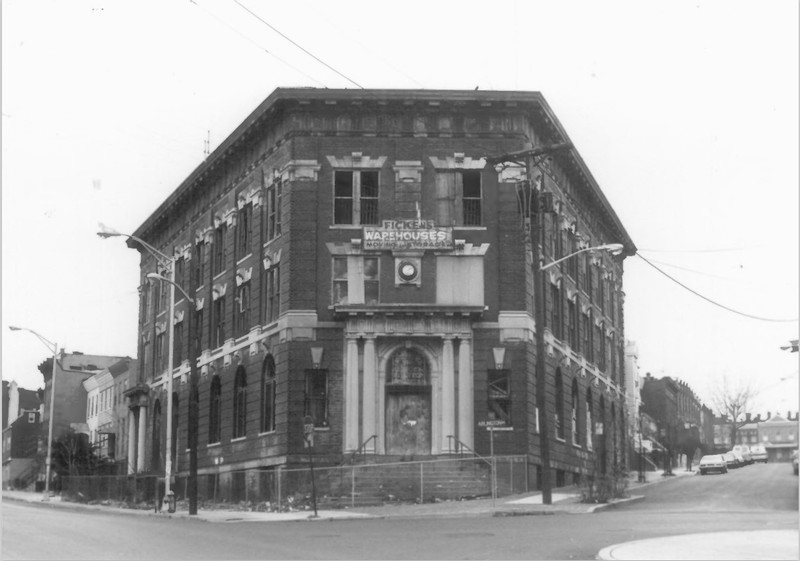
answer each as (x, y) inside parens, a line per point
(169, 499)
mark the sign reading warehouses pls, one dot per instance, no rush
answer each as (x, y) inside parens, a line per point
(407, 235)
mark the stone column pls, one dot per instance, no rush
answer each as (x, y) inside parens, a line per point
(448, 393)
(131, 442)
(140, 452)
(351, 396)
(370, 397)
(466, 392)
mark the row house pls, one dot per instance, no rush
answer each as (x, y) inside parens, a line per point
(355, 269)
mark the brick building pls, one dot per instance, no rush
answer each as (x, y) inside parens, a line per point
(353, 261)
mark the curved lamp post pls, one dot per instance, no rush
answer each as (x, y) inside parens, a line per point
(167, 263)
(612, 248)
(54, 349)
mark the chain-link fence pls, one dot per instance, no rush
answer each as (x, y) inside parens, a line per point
(278, 488)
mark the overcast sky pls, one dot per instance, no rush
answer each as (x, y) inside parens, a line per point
(685, 112)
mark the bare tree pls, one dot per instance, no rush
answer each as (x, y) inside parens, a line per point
(732, 400)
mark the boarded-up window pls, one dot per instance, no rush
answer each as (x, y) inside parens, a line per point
(459, 198)
(499, 397)
(459, 280)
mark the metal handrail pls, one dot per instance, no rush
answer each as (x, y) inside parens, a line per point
(363, 445)
(450, 438)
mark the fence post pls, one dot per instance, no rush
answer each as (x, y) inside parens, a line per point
(352, 486)
(421, 483)
(280, 472)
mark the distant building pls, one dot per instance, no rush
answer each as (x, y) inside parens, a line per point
(107, 410)
(779, 436)
(70, 396)
(21, 432)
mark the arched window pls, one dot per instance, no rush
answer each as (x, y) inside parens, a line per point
(613, 430)
(559, 405)
(175, 418)
(408, 367)
(214, 410)
(240, 403)
(156, 462)
(589, 419)
(268, 384)
(575, 433)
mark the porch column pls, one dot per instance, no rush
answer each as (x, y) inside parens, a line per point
(351, 396)
(131, 442)
(448, 392)
(370, 397)
(140, 452)
(466, 392)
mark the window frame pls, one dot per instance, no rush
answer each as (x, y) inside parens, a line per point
(240, 403)
(269, 384)
(355, 208)
(498, 396)
(312, 403)
(215, 411)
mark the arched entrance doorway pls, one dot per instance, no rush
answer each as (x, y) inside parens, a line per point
(408, 404)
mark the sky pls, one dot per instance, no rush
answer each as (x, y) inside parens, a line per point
(686, 113)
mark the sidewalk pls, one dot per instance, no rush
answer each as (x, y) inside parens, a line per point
(564, 501)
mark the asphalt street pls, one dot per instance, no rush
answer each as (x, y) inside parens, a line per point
(758, 497)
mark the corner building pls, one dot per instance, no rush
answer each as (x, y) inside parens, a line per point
(355, 264)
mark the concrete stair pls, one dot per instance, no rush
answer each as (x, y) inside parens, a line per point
(373, 483)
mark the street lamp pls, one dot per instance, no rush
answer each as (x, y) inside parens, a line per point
(54, 348)
(167, 263)
(534, 203)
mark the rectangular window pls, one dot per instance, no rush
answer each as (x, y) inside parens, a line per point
(180, 276)
(555, 312)
(160, 354)
(242, 309)
(355, 197)
(601, 290)
(177, 345)
(218, 261)
(587, 274)
(603, 348)
(572, 310)
(459, 198)
(316, 397)
(371, 280)
(572, 263)
(244, 231)
(198, 329)
(586, 331)
(355, 280)
(273, 210)
(340, 280)
(201, 251)
(499, 397)
(272, 294)
(218, 323)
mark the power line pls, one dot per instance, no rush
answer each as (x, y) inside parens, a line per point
(259, 18)
(717, 250)
(246, 38)
(709, 299)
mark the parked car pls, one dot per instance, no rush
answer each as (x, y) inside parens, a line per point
(713, 462)
(758, 453)
(744, 450)
(730, 460)
(740, 461)
(794, 461)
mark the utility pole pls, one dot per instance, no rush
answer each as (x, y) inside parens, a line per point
(534, 203)
(194, 332)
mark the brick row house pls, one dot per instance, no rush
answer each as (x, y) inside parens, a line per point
(354, 263)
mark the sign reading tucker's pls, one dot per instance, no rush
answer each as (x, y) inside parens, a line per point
(407, 234)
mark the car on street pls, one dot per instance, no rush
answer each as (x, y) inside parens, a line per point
(794, 461)
(744, 450)
(758, 453)
(730, 460)
(713, 462)
(740, 461)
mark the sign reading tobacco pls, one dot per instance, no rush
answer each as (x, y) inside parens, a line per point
(407, 234)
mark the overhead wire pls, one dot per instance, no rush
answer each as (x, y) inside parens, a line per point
(676, 281)
(253, 42)
(262, 20)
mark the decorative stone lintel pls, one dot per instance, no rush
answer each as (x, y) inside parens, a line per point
(516, 326)
(408, 171)
(300, 170)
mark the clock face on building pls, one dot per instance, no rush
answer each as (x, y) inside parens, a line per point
(407, 271)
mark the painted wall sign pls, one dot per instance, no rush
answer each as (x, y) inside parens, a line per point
(407, 234)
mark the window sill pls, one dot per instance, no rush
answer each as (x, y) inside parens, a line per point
(212, 445)
(473, 228)
(559, 439)
(219, 275)
(576, 445)
(238, 439)
(268, 433)
(322, 429)
(243, 259)
(348, 226)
